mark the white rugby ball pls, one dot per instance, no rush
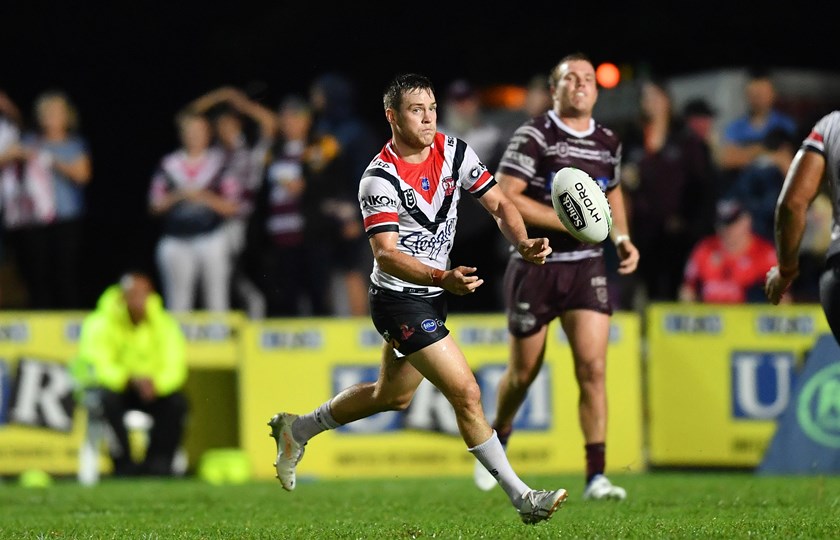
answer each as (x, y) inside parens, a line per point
(581, 205)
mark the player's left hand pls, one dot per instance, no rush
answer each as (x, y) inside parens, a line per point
(629, 255)
(776, 284)
(534, 250)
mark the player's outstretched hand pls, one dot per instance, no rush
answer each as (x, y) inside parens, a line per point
(534, 250)
(777, 284)
(629, 255)
(459, 281)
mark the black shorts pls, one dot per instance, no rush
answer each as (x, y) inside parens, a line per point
(408, 322)
(830, 294)
(537, 294)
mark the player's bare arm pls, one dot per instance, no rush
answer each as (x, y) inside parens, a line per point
(801, 186)
(533, 212)
(512, 226)
(392, 261)
(627, 251)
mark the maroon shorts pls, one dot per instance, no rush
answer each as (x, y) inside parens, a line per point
(536, 294)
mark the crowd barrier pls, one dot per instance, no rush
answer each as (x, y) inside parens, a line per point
(697, 386)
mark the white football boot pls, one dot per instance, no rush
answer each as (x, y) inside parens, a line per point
(482, 477)
(289, 451)
(600, 488)
(539, 505)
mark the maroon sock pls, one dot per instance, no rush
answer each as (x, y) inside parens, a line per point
(595, 459)
(504, 435)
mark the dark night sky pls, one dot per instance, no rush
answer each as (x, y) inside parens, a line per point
(130, 65)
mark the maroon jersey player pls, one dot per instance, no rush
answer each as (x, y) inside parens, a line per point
(572, 285)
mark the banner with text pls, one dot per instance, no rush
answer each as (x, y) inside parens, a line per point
(295, 365)
(719, 377)
(40, 425)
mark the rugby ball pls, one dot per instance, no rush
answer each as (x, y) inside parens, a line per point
(581, 205)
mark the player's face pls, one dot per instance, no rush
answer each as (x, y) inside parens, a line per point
(53, 115)
(760, 95)
(415, 123)
(576, 90)
(195, 133)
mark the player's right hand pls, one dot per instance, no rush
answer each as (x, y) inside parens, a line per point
(776, 284)
(534, 250)
(459, 281)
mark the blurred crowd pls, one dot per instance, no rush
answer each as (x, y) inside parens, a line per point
(256, 209)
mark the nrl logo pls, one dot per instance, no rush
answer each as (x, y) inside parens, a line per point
(409, 199)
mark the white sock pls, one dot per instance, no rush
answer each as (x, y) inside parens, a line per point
(491, 454)
(309, 425)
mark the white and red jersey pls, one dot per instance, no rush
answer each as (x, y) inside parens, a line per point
(825, 140)
(419, 201)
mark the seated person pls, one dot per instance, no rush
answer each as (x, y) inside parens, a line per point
(728, 267)
(132, 356)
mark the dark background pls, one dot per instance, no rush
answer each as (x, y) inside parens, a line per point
(129, 66)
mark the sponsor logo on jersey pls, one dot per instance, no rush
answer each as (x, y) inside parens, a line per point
(573, 210)
(419, 243)
(476, 171)
(425, 184)
(378, 201)
(429, 325)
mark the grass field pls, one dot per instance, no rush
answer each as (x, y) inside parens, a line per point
(659, 505)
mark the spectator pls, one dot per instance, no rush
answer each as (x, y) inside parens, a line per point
(46, 207)
(245, 162)
(538, 96)
(728, 267)
(758, 185)
(667, 175)
(478, 240)
(743, 137)
(132, 357)
(193, 195)
(10, 153)
(279, 221)
(343, 144)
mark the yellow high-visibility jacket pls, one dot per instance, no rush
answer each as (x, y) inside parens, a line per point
(112, 349)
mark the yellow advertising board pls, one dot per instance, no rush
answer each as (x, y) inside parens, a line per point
(40, 425)
(295, 365)
(719, 377)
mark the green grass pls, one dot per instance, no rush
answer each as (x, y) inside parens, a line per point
(659, 505)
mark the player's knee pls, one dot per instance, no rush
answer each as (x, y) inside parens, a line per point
(400, 403)
(522, 378)
(591, 372)
(394, 402)
(466, 398)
